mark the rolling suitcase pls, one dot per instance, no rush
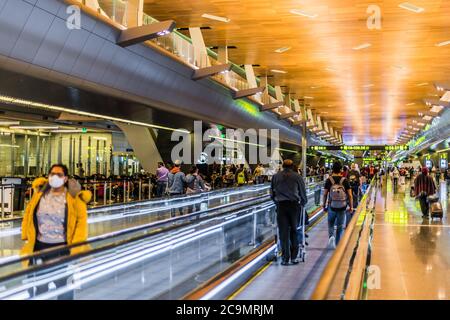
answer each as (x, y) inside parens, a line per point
(435, 207)
(436, 210)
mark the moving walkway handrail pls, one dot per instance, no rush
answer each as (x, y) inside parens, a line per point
(134, 229)
(328, 276)
(164, 199)
(244, 203)
(257, 201)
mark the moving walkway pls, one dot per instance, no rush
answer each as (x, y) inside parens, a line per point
(165, 259)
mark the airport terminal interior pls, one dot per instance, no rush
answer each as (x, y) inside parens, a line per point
(147, 150)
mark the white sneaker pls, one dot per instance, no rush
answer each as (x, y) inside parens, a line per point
(332, 243)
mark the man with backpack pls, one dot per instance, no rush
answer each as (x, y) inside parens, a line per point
(288, 191)
(337, 195)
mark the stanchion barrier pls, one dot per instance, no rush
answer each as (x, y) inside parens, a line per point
(110, 192)
(124, 192)
(149, 189)
(140, 189)
(95, 193)
(3, 208)
(104, 194)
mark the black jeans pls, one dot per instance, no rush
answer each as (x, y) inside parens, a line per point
(61, 282)
(288, 215)
(424, 205)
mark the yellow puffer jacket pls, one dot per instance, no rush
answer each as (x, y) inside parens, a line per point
(77, 227)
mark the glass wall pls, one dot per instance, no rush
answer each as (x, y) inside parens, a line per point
(31, 153)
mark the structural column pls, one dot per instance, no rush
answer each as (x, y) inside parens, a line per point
(135, 13)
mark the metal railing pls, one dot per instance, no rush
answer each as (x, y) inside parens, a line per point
(345, 272)
(175, 43)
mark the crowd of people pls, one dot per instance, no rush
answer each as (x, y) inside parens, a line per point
(57, 213)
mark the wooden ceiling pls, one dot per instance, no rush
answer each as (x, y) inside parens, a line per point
(368, 94)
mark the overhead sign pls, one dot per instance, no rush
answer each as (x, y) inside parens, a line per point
(359, 148)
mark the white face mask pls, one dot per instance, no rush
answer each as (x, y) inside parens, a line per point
(56, 182)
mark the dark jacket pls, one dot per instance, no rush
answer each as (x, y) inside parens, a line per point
(288, 185)
(424, 183)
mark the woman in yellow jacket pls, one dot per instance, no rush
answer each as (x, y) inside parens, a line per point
(55, 216)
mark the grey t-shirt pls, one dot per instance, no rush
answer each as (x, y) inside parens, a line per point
(50, 216)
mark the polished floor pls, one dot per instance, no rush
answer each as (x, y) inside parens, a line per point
(412, 252)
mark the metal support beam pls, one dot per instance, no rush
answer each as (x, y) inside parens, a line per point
(201, 58)
(134, 13)
(246, 92)
(210, 71)
(140, 34)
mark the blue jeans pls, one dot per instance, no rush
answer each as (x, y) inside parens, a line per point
(336, 217)
(160, 188)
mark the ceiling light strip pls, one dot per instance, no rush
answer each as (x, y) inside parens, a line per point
(27, 103)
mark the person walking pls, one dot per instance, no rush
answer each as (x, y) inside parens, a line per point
(56, 216)
(162, 179)
(337, 195)
(176, 180)
(354, 179)
(423, 187)
(176, 184)
(395, 176)
(258, 174)
(195, 184)
(288, 191)
(241, 176)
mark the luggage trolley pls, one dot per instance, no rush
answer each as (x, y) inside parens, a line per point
(302, 233)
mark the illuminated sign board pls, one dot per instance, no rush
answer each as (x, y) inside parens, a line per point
(358, 148)
(444, 161)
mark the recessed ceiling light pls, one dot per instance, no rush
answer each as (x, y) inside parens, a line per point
(304, 13)
(411, 7)
(422, 84)
(441, 44)
(278, 71)
(362, 46)
(213, 17)
(35, 127)
(9, 123)
(316, 87)
(307, 97)
(411, 104)
(283, 49)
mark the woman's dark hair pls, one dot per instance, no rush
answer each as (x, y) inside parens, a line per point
(193, 169)
(62, 166)
(337, 167)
